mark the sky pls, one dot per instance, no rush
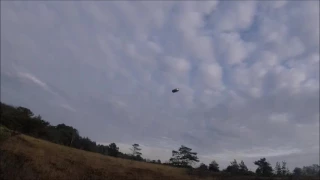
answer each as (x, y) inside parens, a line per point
(248, 74)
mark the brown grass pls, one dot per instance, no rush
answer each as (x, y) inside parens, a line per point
(24, 157)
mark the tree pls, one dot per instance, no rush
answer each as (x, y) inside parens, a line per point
(233, 167)
(278, 169)
(87, 145)
(35, 126)
(264, 167)
(203, 166)
(175, 159)
(159, 162)
(313, 170)
(136, 151)
(25, 111)
(297, 172)
(284, 169)
(188, 157)
(113, 150)
(184, 157)
(102, 149)
(67, 134)
(138, 158)
(243, 169)
(214, 166)
(23, 120)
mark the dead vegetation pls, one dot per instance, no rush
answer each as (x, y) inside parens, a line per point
(24, 157)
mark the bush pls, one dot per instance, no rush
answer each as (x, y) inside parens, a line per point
(5, 133)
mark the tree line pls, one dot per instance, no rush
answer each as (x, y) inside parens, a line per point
(21, 119)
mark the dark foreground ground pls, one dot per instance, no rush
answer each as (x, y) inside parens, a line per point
(27, 158)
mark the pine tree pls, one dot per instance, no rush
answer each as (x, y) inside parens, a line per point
(214, 166)
(233, 167)
(264, 168)
(243, 168)
(284, 169)
(278, 169)
(136, 151)
(184, 157)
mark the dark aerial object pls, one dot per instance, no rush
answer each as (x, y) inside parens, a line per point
(175, 90)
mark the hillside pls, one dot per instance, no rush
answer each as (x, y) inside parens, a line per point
(32, 148)
(25, 157)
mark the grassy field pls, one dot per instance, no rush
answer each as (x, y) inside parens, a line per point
(24, 157)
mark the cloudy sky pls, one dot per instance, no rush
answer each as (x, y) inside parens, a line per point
(248, 74)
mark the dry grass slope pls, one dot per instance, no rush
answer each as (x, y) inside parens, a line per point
(24, 157)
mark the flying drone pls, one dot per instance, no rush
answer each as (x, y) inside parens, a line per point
(175, 90)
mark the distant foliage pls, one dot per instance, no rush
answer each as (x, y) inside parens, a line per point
(136, 150)
(214, 166)
(113, 150)
(297, 172)
(184, 157)
(284, 170)
(313, 170)
(278, 169)
(264, 168)
(21, 119)
(243, 169)
(203, 166)
(236, 168)
(233, 168)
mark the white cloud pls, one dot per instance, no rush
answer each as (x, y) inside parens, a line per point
(258, 152)
(235, 50)
(34, 80)
(177, 65)
(233, 16)
(68, 107)
(212, 75)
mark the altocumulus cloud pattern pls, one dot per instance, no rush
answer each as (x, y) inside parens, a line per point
(247, 71)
